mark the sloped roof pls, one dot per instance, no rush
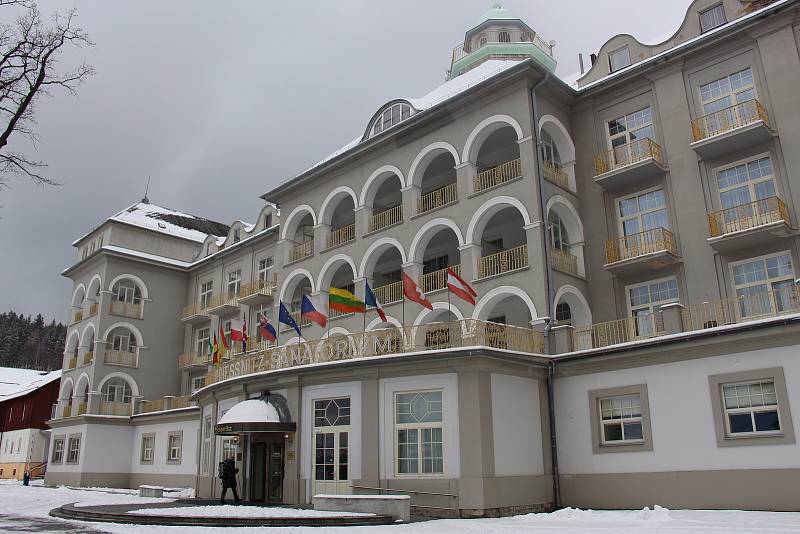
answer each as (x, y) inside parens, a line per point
(17, 382)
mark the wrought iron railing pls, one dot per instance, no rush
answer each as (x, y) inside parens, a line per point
(385, 218)
(741, 309)
(166, 403)
(554, 174)
(195, 309)
(497, 175)
(114, 408)
(503, 262)
(564, 261)
(193, 359)
(617, 331)
(126, 309)
(92, 309)
(436, 280)
(728, 119)
(301, 250)
(746, 216)
(259, 287)
(628, 154)
(342, 236)
(641, 244)
(437, 198)
(121, 357)
(389, 293)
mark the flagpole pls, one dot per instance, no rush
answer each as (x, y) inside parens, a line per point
(365, 306)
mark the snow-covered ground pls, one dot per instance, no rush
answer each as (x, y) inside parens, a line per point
(19, 504)
(230, 510)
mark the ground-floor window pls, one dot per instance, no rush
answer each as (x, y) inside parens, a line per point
(207, 432)
(174, 447)
(751, 407)
(621, 419)
(73, 451)
(148, 444)
(418, 433)
(58, 450)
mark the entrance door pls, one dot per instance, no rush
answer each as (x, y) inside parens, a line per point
(275, 472)
(332, 446)
(258, 471)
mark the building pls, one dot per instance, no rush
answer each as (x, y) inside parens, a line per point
(632, 239)
(26, 399)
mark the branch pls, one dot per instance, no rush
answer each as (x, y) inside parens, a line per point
(11, 163)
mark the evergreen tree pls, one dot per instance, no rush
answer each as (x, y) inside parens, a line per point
(31, 343)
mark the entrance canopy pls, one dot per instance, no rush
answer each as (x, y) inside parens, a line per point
(268, 414)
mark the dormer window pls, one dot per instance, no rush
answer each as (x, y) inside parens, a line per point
(267, 220)
(712, 17)
(504, 37)
(391, 116)
(236, 236)
(619, 58)
(208, 249)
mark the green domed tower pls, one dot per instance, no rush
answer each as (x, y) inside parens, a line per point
(500, 35)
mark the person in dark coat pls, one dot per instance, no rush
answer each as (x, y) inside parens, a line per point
(227, 474)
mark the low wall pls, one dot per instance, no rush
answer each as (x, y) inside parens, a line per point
(395, 506)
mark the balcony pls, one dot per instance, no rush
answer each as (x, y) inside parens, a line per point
(497, 176)
(437, 280)
(341, 236)
(555, 175)
(628, 165)
(749, 224)
(194, 314)
(164, 404)
(126, 309)
(258, 292)
(88, 357)
(77, 316)
(82, 408)
(438, 198)
(301, 321)
(464, 57)
(502, 262)
(618, 331)
(730, 130)
(389, 293)
(636, 253)
(188, 360)
(564, 261)
(93, 308)
(72, 363)
(386, 218)
(115, 408)
(122, 358)
(67, 411)
(224, 304)
(301, 251)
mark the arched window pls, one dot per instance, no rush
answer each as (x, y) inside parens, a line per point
(116, 390)
(481, 41)
(563, 313)
(123, 340)
(550, 149)
(526, 37)
(558, 232)
(391, 116)
(127, 291)
(504, 37)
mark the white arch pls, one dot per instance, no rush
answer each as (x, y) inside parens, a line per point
(378, 173)
(338, 330)
(294, 341)
(376, 322)
(483, 214)
(333, 195)
(80, 381)
(89, 294)
(139, 282)
(426, 233)
(438, 306)
(126, 377)
(290, 278)
(425, 156)
(301, 208)
(129, 326)
(64, 383)
(376, 248)
(82, 342)
(561, 137)
(71, 335)
(484, 129)
(82, 288)
(572, 222)
(568, 292)
(484, 305)
(331, 265)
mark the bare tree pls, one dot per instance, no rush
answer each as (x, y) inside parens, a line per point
(29, 53)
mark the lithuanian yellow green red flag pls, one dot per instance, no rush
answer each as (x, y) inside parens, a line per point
(343, 301)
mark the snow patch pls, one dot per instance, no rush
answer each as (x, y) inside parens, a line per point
(228, 510)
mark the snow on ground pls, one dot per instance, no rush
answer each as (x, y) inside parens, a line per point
(229, 510)
(35, 502)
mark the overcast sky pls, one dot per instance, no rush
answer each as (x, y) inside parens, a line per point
(220, 101)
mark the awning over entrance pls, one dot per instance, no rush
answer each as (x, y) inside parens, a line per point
(267, 414)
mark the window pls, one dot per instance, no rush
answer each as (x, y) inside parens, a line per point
(550, 149)
(267, 220)
(148, 444)
(227, 330)
(563, 313)
(504, 37)
(198, 382)
(264, 265)
(74, 449)
(206, 290)
(234, 283)
(228, 449)
(725, 92)
(203, 338)
(712, 17)
(620, 419)
(127, 291)
(619, 59)
(639, 213)
(765, 285)
(392, 116)
(124, 341)
(418, 433)
(236, 235)
(751, 408)
(645, 301)
(207, 434)
(174, 447)
(743, 184)
(116, 390)
(332, 412)
(627, 129)
(558, 232)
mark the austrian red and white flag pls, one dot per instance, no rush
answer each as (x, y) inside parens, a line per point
(459, 287)
(412, 292)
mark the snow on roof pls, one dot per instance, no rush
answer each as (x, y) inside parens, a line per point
(146, 256)
(251, 411)
(169, 221)
(17, 382)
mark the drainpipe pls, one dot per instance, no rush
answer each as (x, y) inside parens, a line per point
(549, 295)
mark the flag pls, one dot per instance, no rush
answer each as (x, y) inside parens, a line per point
(245, 337)
(286, 318)
(308, 310)
(371, 300)
(412, 292)
(266, 330)
(210, 346)
(239, 332)
(459, 287)
(215, 352)
(222, 339)
(344, 301)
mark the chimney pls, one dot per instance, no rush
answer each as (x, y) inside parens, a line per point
(580, 61)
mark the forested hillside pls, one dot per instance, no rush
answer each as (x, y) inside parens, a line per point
(30, 343)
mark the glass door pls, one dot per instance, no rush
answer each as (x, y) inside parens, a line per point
(275, 477)
(332, 446)
(258, 471)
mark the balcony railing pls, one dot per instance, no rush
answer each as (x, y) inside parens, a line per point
(67, 411)
(301, 250)
(389, 293)
(342, 236)
(503, 262)
(193, 359)
(618, 331)
(741, 309)
(92, 309)
(259, 287)
(120, 357)
(77, 316)
(301, 321)
(88, 357)
(436, 280)
(728, 119)
(335, 314)
(114, 408)
(555, 175)
(167, 403)
(432, 336)
(497, 175)
(72, 363)
(437, 198)
(224, 299)
(747, 216)
(641, 244)
(460, 51)
(126, 309)
(625, 155)
(385, 218)
(81, 408)
(564, 261)
(195, 310)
